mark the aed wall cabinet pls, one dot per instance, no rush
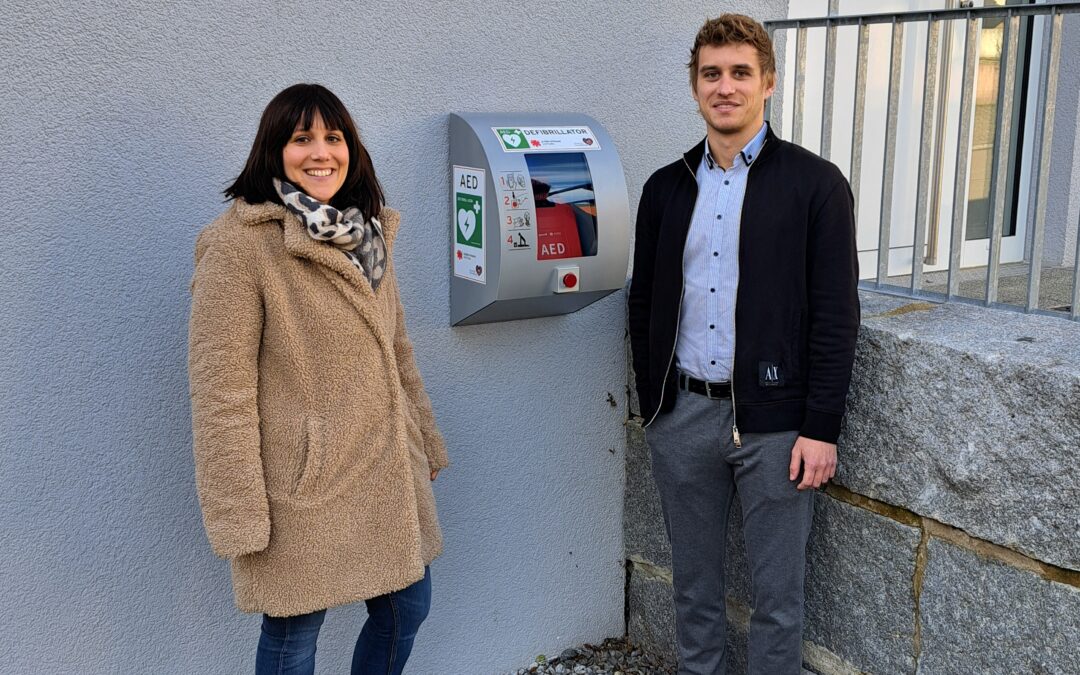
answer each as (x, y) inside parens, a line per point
(540, 219)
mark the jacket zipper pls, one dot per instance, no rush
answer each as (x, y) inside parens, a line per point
(678, 311)
(735, 437)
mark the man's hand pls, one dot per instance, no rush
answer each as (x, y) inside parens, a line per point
(434, 474)
(818, 461)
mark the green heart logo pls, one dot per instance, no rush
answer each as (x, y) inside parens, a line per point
(466, 222)
(512, 139)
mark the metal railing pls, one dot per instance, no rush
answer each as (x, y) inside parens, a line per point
(936, 67)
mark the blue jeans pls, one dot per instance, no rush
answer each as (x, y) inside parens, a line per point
(287, 644)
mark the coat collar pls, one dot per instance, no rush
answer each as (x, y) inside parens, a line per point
(298, 243)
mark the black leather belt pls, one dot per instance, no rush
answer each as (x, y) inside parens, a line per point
(712, 390)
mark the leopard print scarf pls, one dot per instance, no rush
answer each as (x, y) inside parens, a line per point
(361, 242)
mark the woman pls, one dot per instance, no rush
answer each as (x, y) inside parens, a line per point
(315, 443)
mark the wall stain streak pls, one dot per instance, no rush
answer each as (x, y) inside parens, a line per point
(648, 569)
(897, 513)
(957, 537)
(904, 309)
(826, 662)
(921, 557)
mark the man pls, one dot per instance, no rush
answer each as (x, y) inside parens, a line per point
(743, 315)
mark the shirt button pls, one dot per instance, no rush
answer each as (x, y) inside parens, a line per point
(712, 290)
(719, 217)
(712, 326)
(726, 182)
(712, 363)
(715, 253)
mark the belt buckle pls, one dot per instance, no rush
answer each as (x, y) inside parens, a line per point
(708, 391)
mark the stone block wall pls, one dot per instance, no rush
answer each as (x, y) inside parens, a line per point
(949, 541)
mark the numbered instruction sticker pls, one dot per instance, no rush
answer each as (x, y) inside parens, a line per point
(546, 139)
(468, 224)
(515, 195)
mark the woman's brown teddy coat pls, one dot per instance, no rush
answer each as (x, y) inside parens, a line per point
(314, 438)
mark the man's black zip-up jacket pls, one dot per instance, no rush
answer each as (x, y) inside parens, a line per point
(796, 308)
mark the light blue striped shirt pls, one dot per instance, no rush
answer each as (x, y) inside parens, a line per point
(706, 344)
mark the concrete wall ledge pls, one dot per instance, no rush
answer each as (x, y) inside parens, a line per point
(971, 417)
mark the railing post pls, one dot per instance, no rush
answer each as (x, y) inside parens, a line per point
(800, 85)
(956, 244)
(1074, 309)
(830, 83)
(1003, 134)
(1051, 60)
(889, 163)
(933, 31)
(858, 113)
(776, 81)
(941, 115)
(829, 86)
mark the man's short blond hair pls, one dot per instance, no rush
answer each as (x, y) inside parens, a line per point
(734, 29)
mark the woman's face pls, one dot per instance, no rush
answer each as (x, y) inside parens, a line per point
(316, 160)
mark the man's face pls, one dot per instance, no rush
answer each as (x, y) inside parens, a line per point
(731, 89)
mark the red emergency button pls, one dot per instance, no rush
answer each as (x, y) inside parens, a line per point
(565, 279)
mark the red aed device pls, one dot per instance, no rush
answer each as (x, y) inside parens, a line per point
(556, 233)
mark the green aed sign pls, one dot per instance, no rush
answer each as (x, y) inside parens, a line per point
(512, 139)
(470, 215)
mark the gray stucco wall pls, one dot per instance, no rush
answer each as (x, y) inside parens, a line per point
(122, 122)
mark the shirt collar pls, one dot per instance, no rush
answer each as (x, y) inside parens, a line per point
(749, 152)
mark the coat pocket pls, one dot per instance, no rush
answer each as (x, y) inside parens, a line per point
(412, 430)
(314, 440)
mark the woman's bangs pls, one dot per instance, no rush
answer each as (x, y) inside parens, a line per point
(333, 116)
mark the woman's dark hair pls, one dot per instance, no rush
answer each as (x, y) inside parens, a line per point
(299, 104)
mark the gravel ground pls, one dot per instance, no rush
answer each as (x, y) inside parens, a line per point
(615, 657)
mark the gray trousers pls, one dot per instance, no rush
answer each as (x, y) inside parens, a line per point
(698, 469)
